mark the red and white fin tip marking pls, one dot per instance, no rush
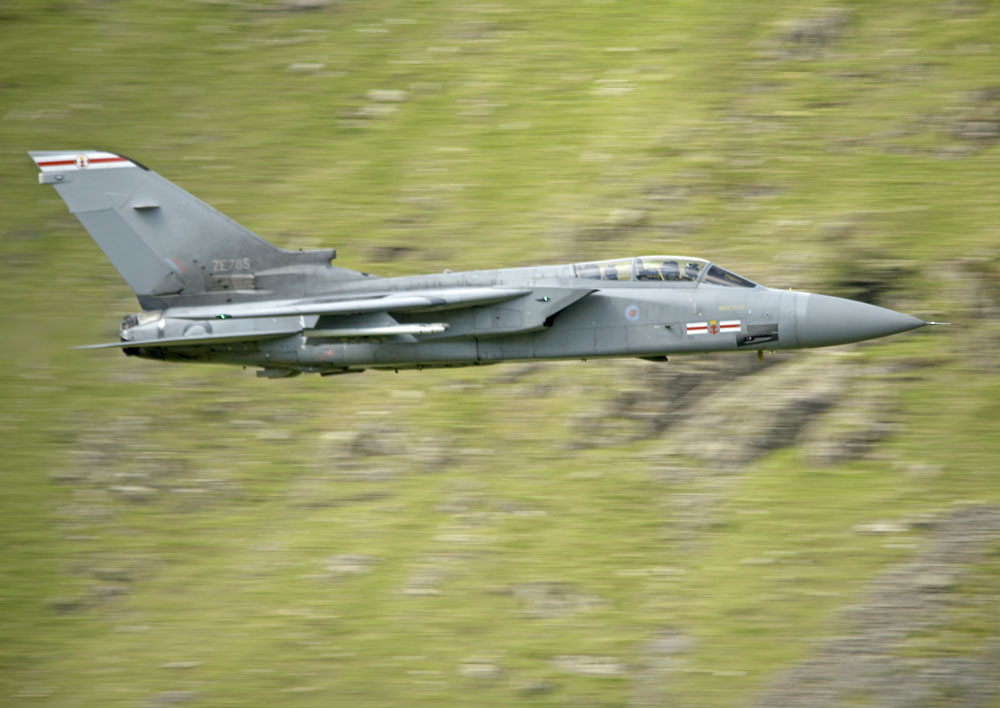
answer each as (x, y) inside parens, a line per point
(84, 160)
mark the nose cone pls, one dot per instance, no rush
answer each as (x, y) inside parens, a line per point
(834, 320)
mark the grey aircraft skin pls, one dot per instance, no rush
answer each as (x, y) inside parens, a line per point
(212, 291)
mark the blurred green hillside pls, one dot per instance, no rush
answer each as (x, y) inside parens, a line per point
(822, 529)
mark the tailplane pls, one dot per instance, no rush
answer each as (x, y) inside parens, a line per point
(169, 246)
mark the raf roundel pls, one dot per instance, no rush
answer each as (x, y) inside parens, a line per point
(632, 313)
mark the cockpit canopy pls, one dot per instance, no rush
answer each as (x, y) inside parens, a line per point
(671, 269)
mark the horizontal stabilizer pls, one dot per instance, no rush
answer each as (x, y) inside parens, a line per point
(194, 341)
(427, 300)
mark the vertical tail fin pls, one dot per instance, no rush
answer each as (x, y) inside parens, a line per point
(162, 240)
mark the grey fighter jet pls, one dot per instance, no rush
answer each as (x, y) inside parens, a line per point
(211, 290)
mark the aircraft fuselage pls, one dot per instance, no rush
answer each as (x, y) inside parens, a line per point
(559, 316)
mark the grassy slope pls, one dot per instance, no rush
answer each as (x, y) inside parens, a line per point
(526, 133)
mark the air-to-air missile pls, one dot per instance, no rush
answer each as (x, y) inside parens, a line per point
(211, 290)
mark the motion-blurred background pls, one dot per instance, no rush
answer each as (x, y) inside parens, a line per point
(822, 529)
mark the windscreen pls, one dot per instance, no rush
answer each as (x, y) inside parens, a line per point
(721, 276)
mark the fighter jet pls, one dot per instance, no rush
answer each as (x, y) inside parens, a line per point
(213, 291)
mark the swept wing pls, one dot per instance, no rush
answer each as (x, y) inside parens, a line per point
(414, 301)
(197, 340)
